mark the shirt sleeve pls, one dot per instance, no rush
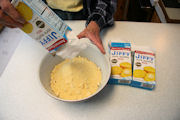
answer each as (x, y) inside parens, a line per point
(102, 13)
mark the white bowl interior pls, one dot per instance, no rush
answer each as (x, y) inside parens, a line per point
(91, 53)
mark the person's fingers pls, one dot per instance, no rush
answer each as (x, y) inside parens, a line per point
(82, 35)
(9, 9)
(5, 25)
(100, 45)
(6, 20)
(97, 41)
(10, 26)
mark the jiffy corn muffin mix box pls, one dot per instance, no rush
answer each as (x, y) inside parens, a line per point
(42, 24)
(144, 69)
(121, 67)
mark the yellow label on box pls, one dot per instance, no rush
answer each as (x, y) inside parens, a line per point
(144, 69)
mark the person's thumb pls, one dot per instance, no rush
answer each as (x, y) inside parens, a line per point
(97, 42)
(81, 35)
(100, 46)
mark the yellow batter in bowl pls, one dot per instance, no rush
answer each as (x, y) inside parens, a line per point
(75, 79)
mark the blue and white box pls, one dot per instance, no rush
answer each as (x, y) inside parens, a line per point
(121, 63)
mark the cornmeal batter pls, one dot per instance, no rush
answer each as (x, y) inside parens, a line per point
(75, 79)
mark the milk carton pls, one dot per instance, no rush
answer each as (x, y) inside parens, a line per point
(121, 67)
(144, 68)
(42, 24)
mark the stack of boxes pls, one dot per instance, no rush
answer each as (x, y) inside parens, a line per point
(134, 68)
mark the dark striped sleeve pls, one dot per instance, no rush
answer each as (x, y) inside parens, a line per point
(102, 13)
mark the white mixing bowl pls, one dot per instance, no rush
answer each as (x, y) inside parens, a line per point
(92, 53)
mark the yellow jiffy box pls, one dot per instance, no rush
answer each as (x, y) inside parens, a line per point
(121, 67)
(144, 68)
(42, 24)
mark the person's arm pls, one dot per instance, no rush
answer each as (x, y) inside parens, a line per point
(100, 16)
(9, 16)
(102, 12)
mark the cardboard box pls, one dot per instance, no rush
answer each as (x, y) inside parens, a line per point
(121, 67)
(43, 24)
(144, 69)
